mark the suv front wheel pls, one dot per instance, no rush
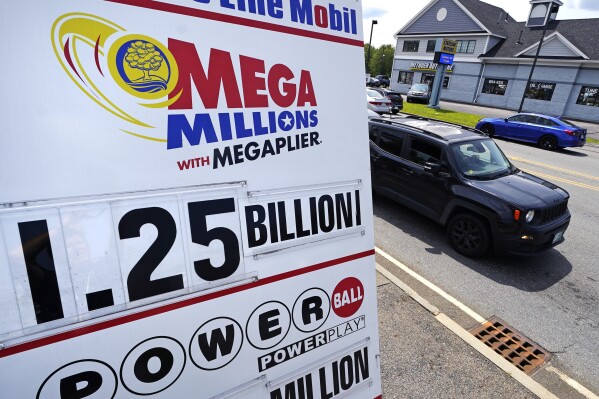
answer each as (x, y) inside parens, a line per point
(469, 235)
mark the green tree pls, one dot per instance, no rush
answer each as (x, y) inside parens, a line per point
(381, 59)
(143, 56)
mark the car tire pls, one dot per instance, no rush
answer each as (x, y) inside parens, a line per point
(394, 111)
(409, 100)
(548, 142)
(488, 129)
(469, 235)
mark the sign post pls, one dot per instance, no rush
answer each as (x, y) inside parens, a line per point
(444, 53)
(166, 228)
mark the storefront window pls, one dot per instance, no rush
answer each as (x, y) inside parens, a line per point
(430, 46)
(411, 46)
(405, 77)
(445, 81)
(429, 78)
(540, 91)
(588, 96)
(466, 46)
(495, 86)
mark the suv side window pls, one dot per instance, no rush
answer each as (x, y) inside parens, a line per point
(422, 152)
(373, 133)
(392, 142)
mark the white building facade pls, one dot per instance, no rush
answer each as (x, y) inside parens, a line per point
(495, 55)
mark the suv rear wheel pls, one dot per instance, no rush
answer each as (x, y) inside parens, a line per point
(468, 235)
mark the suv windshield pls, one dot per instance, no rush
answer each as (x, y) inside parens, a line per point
(421, 87)
(480, 159)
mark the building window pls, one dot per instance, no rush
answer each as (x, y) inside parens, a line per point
(495, 86)
(588, 96)
(430, 46)
(411, 46)
(540, 91)
(429, 78)
(405, 77)
(466, 46)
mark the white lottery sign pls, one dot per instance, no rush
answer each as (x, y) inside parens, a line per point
(185, 207)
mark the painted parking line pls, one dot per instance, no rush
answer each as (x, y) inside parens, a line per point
(546, 166)
(562, 180)
(506, 366)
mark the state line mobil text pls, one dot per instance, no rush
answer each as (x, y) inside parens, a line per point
(303, 12)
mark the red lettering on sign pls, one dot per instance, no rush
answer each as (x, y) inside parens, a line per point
(220, 73)
(348, 296)
(259, 84)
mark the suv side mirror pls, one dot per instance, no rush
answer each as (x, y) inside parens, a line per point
(506, 119)
(432, 167)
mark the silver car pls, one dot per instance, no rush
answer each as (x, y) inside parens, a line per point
(377, 102)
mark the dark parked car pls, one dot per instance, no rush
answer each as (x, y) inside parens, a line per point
(420, 93)
(383, 79)
(395, 97)
(548, 132)
(462, 180)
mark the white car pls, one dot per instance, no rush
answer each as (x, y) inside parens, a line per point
(374, 82)
(377, 102)
(372, 114)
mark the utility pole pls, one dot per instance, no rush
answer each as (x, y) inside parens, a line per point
(534, 64)
(374, 22)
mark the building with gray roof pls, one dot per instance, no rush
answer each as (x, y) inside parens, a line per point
(495, 54)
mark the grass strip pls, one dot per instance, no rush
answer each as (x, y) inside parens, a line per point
(459, 118)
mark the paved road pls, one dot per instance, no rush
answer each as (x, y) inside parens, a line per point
(552, 298)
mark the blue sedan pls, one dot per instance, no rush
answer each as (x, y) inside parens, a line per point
(548, 132)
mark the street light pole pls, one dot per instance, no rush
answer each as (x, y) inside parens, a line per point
(381, 69)
(534, 64)
(374, 22)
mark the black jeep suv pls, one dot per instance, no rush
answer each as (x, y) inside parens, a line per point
(460, 178)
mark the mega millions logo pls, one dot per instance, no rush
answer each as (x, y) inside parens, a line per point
(98, 55)
(156, 88)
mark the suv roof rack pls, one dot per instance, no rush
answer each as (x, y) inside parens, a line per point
(471, 129)
(396, 122)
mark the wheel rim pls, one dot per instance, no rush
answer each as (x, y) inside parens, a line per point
(548, 143)
(466, 235)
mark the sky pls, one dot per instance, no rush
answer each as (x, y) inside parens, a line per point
(392, 15)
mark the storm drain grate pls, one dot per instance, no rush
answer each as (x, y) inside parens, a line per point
(511, 344)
